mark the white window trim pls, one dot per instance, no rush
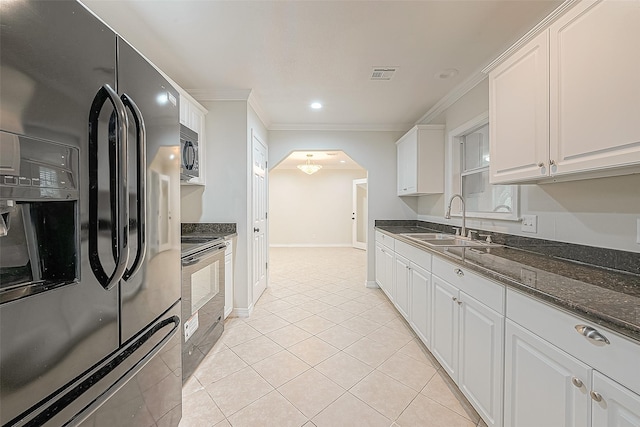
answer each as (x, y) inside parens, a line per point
(453, 138)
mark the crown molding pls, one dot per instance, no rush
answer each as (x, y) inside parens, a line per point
(364, 127)
(542, 25)
(254, 102)
(450, 98)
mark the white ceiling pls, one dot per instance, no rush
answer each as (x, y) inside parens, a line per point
(290, 53)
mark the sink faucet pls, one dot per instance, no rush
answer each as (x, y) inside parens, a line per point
(447, 215)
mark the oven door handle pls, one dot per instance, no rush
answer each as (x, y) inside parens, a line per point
(118, 188)
(190, 261)
(141, 176)
(204, 256)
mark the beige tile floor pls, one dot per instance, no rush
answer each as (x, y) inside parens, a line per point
(320, 349)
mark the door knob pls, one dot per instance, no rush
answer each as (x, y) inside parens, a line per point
(256, 230)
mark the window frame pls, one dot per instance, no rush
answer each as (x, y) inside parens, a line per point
(453, 183)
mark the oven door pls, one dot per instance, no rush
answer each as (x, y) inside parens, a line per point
(202, 306)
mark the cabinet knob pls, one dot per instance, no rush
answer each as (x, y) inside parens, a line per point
(592, 334)
(596, 396)
(459, 272)
(256, 230)
(577, 382)
(541, 165)
(552, 162)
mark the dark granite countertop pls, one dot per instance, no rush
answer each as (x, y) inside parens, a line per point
(604, 296)
(210, 230)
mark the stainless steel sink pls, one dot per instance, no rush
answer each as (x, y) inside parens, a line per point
(446, 240)
(429, 236)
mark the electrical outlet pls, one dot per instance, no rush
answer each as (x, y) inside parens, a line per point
(528, 277)
(190, 326)
(529, 223)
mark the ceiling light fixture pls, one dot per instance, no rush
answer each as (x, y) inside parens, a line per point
(309, 168)
(316, 105)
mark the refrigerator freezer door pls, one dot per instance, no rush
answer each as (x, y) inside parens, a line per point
(55, 57)
(152, 281)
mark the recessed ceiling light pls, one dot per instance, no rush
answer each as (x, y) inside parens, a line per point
(316, 105)
(447, 74)
(343, 161)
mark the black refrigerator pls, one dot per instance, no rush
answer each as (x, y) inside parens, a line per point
(89, 225)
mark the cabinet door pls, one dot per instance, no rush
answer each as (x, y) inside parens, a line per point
(480, 358)
(401, 298)
(228, 284)
(185, 112)
(539, 388)
(444, 335)
(618, 407)
(519, 114)
(407, 164)
(379, 265)
(420, 312)
(389, 282)
(595, 87)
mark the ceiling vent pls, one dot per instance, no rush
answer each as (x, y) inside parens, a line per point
(383, 73)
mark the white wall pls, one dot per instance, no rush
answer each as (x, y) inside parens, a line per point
(374, 151)
(596, 212)
(225, 197)
(311, 210)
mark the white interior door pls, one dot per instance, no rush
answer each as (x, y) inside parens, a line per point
(259, 196)
(359, 214)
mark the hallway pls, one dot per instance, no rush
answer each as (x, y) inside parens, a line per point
(322, 350)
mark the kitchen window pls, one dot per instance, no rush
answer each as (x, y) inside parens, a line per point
(469, 165)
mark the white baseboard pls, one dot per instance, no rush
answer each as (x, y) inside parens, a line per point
(371, 284)
(227, 312)
(310, 245)
(243, 312)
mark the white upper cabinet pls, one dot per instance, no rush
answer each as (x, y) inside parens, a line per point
(595, 87)
(192, 115)
(421, 161)
(567, 103)
(519, 114)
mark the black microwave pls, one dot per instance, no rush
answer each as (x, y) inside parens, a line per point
(190, 161)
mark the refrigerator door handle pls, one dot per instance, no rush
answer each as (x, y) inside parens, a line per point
(141, 173)
(118, 189)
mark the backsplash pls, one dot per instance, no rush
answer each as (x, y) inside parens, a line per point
(208, 228)
(601, 257)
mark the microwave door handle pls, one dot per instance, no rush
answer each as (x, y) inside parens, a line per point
(189, 155)
(141, 174)
(118, 189)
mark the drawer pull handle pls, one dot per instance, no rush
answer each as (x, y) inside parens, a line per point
(577, 382)
(592, 334)
(459, 272)
(596, 396)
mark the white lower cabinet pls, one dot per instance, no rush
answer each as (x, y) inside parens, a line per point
(228, 279)
(613, 405)
(557, 376)
(420, 303)
(402, 276)
(544, 386)
(444, 336)
(480, 360)
(467, 336)
(384, 269)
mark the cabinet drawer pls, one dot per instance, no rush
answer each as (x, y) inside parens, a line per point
(417, 256)
(487, 292)
(618, 359)
(386, 240)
